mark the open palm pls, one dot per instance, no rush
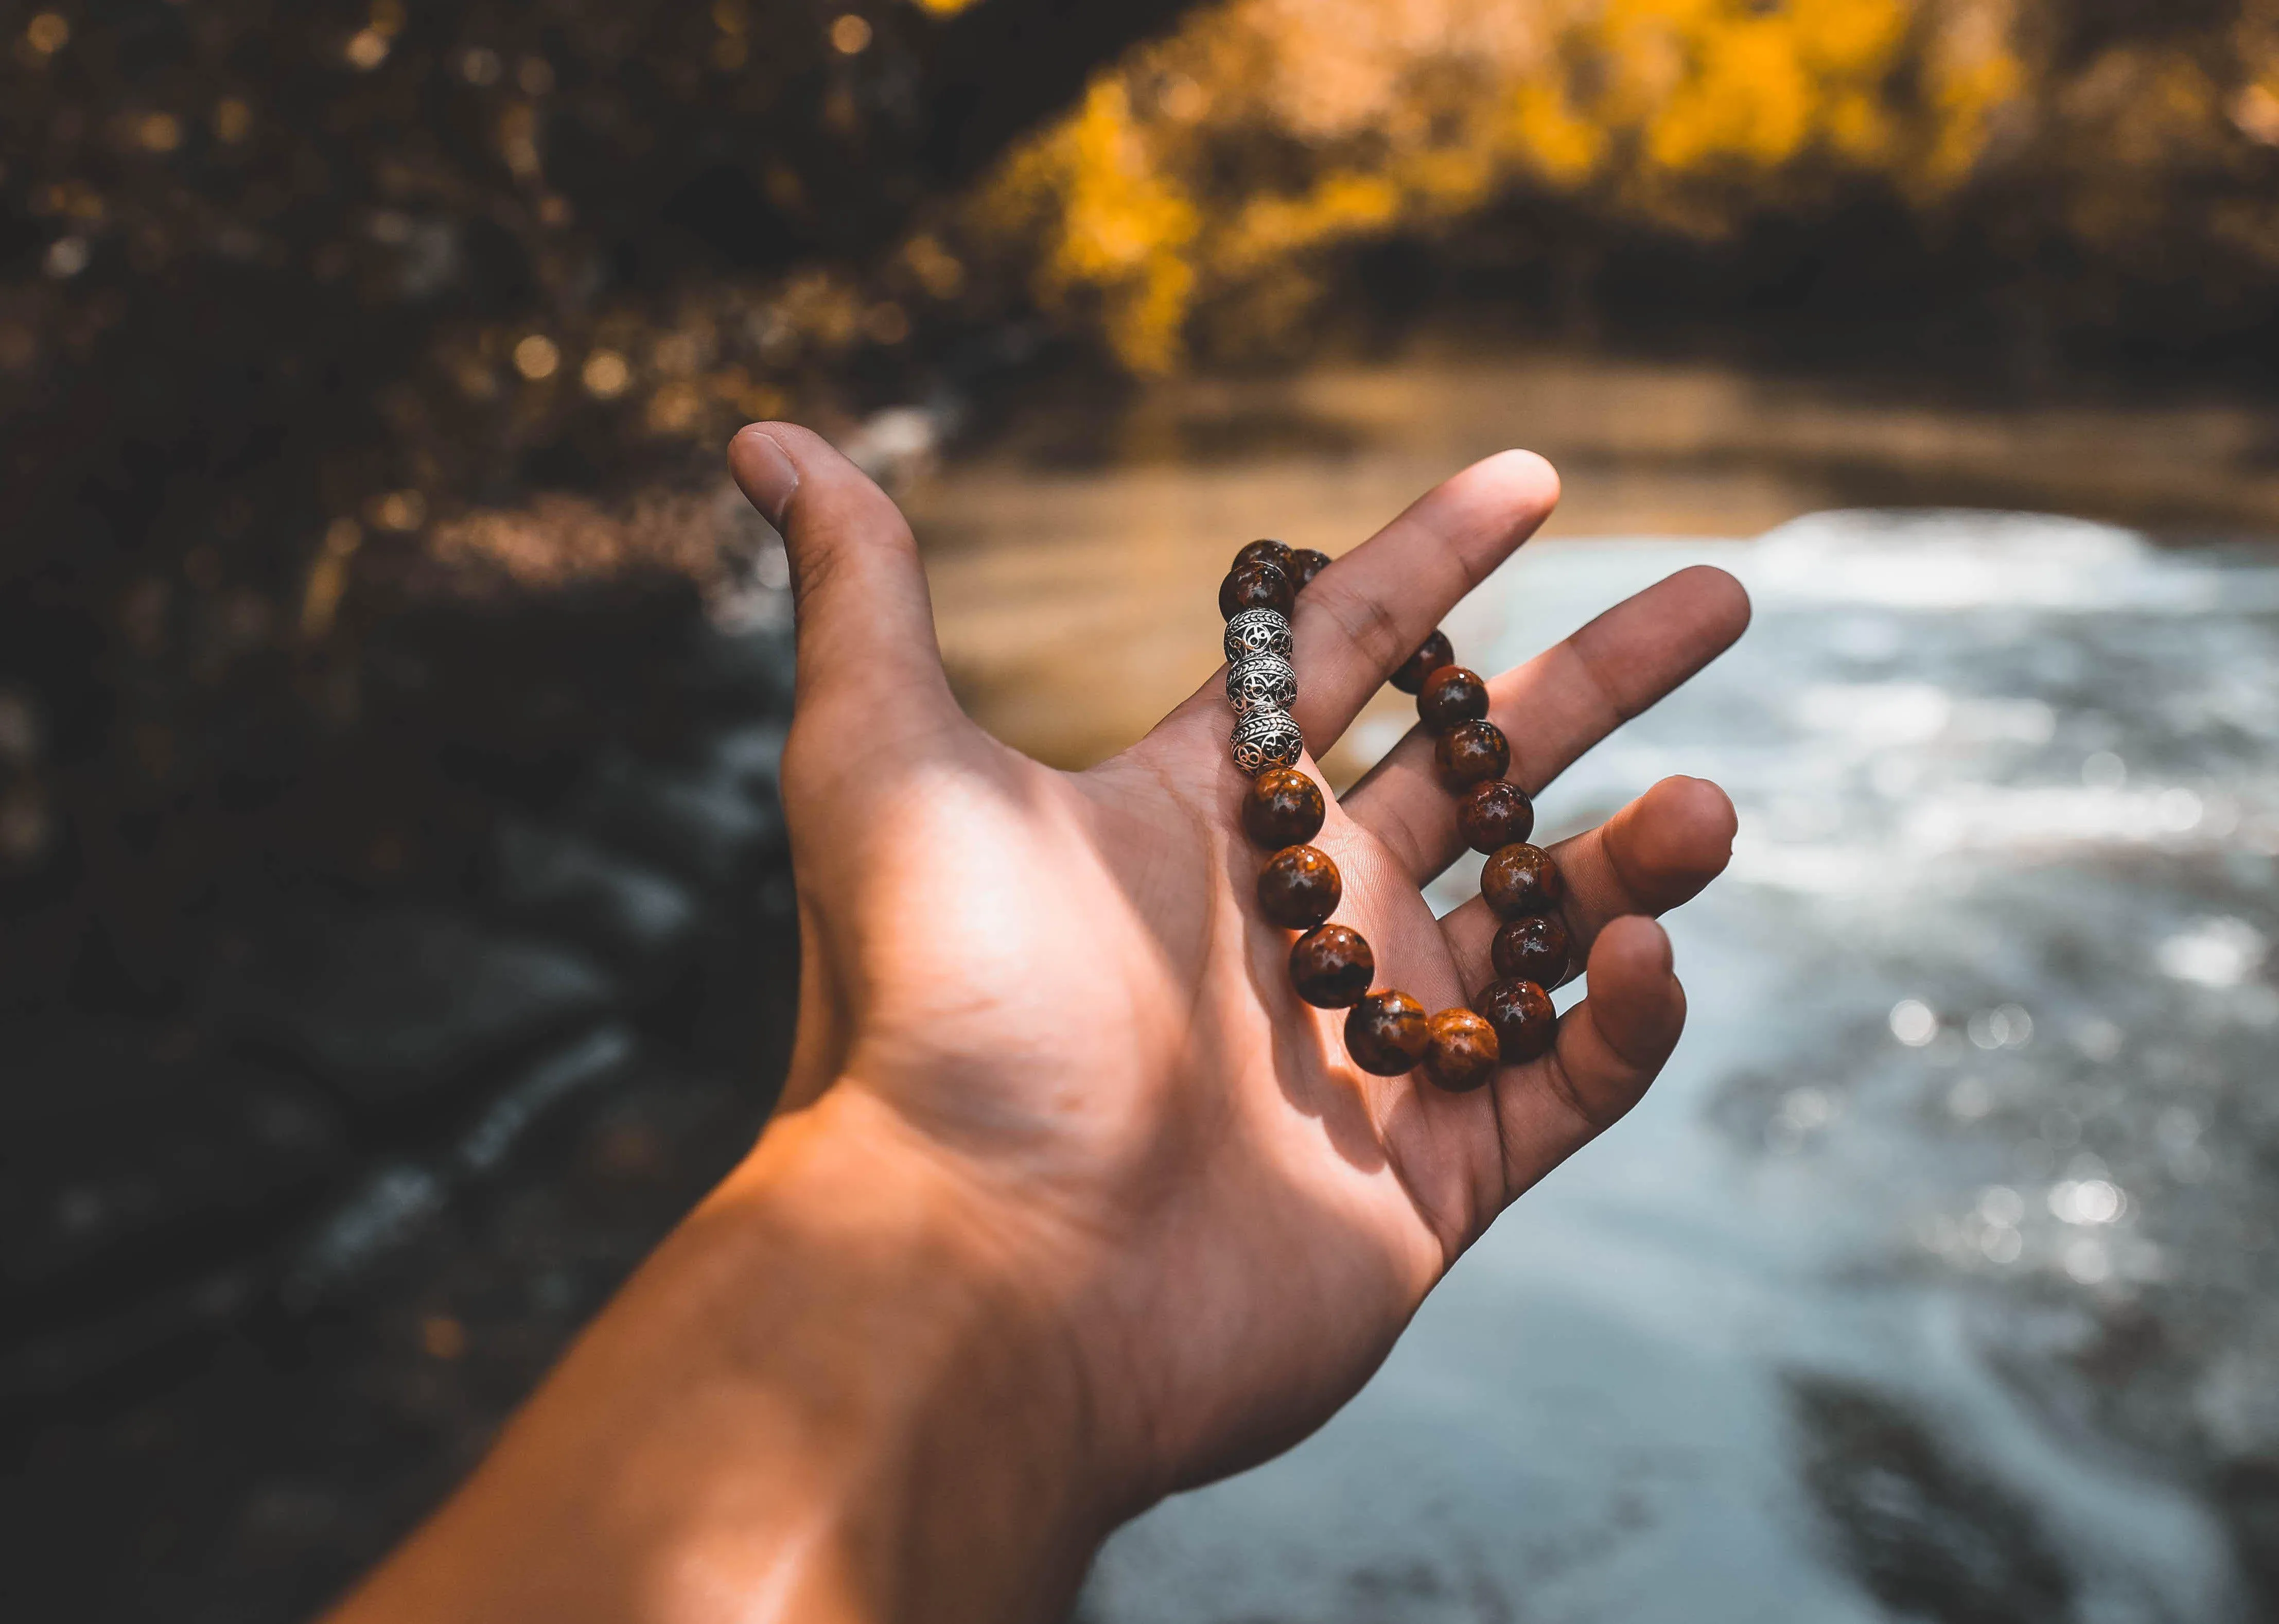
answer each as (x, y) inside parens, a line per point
(1057, 988)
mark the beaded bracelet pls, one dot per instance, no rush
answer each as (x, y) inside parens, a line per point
(1331, 966)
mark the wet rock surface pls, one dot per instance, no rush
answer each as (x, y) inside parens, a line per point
(1928, 1535)
(639, 920)
(279, 1259)
(271, 1461)
(389, 1006)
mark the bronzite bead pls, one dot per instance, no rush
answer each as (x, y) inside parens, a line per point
(1255, 586)
(1495, 814)
(1386, 1034)
(1283, 807)
(1298, 888)
(1525, 1024)
(1450, 696)
(1521, 880)
(1463, 1050)
(1470, 753)
(1276, 554)
(1532, 949)
(1434, 653)
(1332, 967)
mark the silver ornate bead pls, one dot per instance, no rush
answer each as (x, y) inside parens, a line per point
(1261, 682)
(1267, 739)
(1259, 631)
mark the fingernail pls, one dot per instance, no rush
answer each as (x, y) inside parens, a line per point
(766, 474)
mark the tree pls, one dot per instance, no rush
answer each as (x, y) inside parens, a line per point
(284, 289)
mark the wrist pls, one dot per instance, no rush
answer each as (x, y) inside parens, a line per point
(829, 1396)
(941, 1418)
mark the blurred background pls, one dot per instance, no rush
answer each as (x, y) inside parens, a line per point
(393, 924)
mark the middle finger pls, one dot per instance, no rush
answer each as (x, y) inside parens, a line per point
(1557, 706)
(1656, 853)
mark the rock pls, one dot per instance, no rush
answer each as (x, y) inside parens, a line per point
(395, 1007)
(1930, 1531)
(393, 1205)
(747, 671)
(751, 757)
(701, 823)
(898, 445)
(148, 1182)
(126, 1165)
(639, 920)
(69, 1355)
(540, 1091)
(396, 1202)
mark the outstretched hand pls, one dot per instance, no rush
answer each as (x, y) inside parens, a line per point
(1077, 1149)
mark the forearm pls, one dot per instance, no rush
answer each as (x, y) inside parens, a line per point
(818, 1401)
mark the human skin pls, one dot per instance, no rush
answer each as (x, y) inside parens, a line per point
(1070, 1203)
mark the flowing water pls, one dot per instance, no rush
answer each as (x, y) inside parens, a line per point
(1936, 1279)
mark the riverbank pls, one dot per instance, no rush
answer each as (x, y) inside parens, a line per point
(1075, 551)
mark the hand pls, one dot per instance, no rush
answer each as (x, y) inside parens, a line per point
(1055, 1119)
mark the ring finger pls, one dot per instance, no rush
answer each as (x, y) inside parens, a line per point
(1656, 853)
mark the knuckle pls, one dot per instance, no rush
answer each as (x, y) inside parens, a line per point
(1372, 628)
(1596, 1119)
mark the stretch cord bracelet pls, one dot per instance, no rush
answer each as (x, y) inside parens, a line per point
(1331, 965)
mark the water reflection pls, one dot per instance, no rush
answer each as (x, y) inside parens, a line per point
(1073, 564)
(1936, 1279)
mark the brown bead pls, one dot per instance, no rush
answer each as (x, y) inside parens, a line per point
(1521, 880)
(1450, 696)
(1255, 586)
(1525, 1024)
(1332, 967)
(1275, 553)
(1532, 949)
(1434, 653)
(1495, 814)
(1298, 888)
(1387, 1034)
(1464, 1050)
(1284, 807)
(1470, 753)
(1305, 563)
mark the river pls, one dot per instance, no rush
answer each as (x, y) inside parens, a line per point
(1936, 1279)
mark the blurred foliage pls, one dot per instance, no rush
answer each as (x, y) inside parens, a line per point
(310, 313)
(297, 299)
(285, 280)
(367, 266)
(1213, 174)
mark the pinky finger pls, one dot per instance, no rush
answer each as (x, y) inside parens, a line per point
(1611, 1047)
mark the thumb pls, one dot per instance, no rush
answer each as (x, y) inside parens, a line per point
(866, 636)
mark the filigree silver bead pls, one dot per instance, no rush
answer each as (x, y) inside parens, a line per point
(1261, 682)
(1267, 739)
(1259, 631)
